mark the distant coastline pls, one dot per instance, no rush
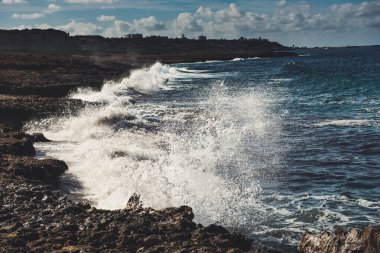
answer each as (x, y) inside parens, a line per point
(135, 48)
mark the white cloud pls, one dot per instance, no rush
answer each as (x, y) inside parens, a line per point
(73, 27)
(366, 14)
(79, 28)
(53, 8)
(13, 1)
(122, 25)
(118, 29)
(186, 22)
(232, 22)
(288, 19)
(104, 18)
(149, 24)
(35, 15)
(90, 1)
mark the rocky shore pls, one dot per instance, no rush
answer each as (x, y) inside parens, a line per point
(366, 240)
(36, 215)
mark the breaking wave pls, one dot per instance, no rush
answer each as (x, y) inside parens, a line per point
(348, 122)
(206, 154)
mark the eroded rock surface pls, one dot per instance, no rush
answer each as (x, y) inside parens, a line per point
(36, 217)
(353, 241)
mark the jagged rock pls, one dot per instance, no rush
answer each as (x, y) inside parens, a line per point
(353, 241)
(134, 202)
(39, 137)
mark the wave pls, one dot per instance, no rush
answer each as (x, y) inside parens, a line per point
(200, 155)
(347, 122)
(145, 81)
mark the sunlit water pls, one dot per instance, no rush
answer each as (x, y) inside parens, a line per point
(265, 147)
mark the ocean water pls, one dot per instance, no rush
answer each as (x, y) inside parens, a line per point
(264, 147)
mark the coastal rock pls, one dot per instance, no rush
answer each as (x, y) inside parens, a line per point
(13, 146)
(36, 215)
(31, 168)
(39, 137)
(114, 119)
(353, 241)
(64, 226)
(14, 110)
(19, 143)
(54, 75)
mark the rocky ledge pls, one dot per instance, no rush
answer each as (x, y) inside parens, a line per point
(36, 216)
(366, 240)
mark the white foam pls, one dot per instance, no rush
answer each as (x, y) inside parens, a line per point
(213, 61)
(369, 204)
(347, 122)
(196, 155)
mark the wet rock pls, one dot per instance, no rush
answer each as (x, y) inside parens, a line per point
(14, 146)
(39, 137)
(14, 110)
(152, 240)
(114, 119)
(134, 202)
(31, 168)
(353, 241)
(35, 216)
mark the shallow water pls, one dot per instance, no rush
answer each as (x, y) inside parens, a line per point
(267, 147)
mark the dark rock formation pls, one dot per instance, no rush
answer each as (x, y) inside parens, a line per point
(48, 170)
(113, 119)
(55, 75)
(15, 146)
(14, 110)
(35, 217)
(353, 241)
(37, 69)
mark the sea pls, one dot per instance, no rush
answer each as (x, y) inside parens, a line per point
(266, 147)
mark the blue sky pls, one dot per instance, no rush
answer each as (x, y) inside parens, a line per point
(302, 23)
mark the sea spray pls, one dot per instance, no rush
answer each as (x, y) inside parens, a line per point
(207, 154)
(286, 144)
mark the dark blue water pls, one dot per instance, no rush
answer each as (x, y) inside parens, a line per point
(329, 103)
(264, 147)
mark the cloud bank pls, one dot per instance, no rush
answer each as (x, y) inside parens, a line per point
(286, 19)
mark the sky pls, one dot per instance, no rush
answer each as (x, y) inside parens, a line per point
(290, 22)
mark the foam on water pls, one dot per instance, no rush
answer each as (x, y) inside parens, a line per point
(201, 155)
(251, 153)
(347, 122)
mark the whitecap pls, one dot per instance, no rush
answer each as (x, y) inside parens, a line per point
(347, 122)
